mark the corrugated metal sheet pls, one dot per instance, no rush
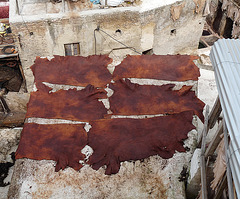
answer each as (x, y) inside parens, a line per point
(225, 57)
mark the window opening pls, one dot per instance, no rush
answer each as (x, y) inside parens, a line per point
(72, 49)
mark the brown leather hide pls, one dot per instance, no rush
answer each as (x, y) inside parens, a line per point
(82, 105)
(73, 70)
(118, 140)
(161, 67)
(133, 99)
(59, 142)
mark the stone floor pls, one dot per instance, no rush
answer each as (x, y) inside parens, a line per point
(153, 177)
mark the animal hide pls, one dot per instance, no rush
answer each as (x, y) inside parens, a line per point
(133, 99)
(73, 70)
(4, 12)
(161, 67)
(59, 142)
(82, 105)
(118, 140)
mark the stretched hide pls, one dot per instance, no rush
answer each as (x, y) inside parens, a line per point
(73, 70)
(82, 105)
(161, 67)
(118, 140)
(4, 12)
(133, 99)
(59, 142)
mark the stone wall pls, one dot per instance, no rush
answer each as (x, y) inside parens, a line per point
(168, 29)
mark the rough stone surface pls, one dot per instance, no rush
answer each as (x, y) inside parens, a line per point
(140, 28)
(194, 175)
(150, 178)
(9, 139)
(17, 102)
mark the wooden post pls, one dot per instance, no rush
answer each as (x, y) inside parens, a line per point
(17, 7)
(215, 113)
(213, 117)
(63, 5)
(229, 175)
(222, 186)
(215, 141)
(202, 160)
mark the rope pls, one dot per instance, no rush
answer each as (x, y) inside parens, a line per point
(98, 29)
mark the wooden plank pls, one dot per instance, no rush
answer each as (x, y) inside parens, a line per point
(12, 119)
(202, 160)
(215, 113)
(213, 117)
(4, 105)
(222, 186)
(229, 175)
(203, 40)
(11, 55)
(215, 141)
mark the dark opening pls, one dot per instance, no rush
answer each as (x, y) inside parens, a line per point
(201, 45)
(148, 52)
(173, 32)
(218, 18)
(10, 74)
(72, 49)
(228, 28)
(118, 31)
(68, 49)
(76, 49)
(205, 33)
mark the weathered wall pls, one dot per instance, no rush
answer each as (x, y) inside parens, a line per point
(179, 35)
(141, 28)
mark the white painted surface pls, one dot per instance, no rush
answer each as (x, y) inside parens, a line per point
(195, 163)
(151, 4)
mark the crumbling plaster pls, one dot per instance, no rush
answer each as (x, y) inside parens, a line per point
(143, 27)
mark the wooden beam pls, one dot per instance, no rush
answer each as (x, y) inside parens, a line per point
(229, 174)
(213, 117)
(203, 40)
(215, 141)
(202, 160)
(12, 119)
(215, 113)
(222, 186)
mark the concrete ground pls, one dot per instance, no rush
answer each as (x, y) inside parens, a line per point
(153, 177)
